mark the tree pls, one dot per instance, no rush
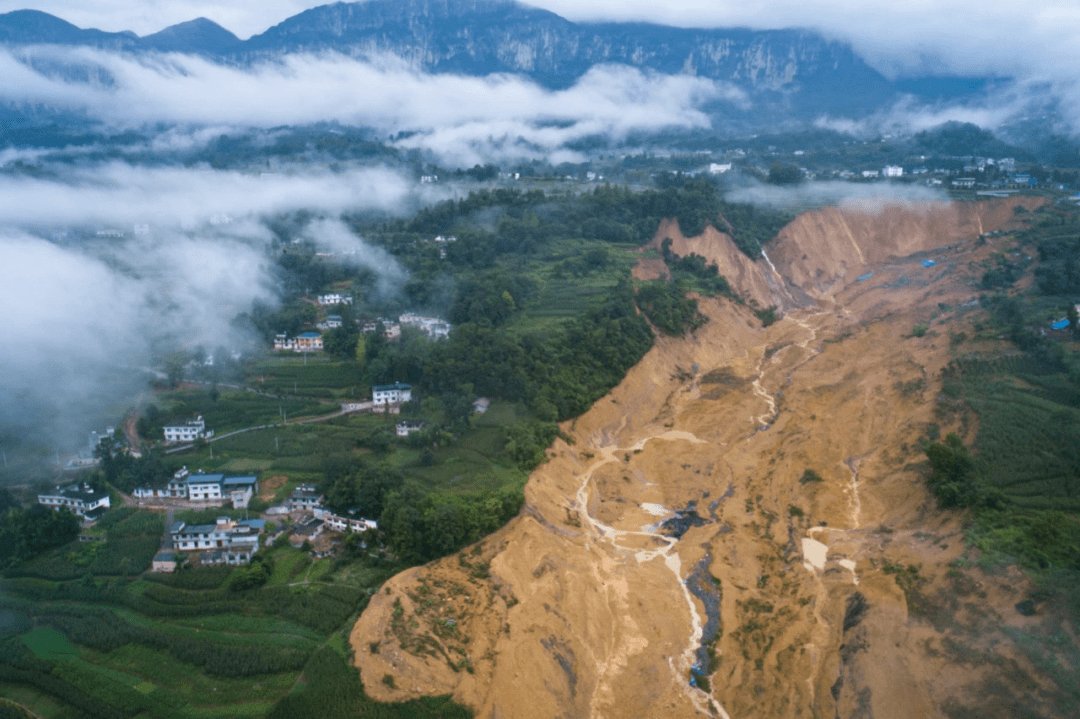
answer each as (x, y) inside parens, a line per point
(782, 173)
(952, 473)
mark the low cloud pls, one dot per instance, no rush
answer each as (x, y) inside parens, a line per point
(332, 236)
(101, 266)
(868, 197)
(120, 195)
(909, 116)
(461, 119)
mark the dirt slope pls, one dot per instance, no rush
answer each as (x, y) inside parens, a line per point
(674, 561)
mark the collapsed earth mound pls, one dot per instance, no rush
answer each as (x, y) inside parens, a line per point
(740, 527)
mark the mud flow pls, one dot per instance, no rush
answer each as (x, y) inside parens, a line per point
(731, 532)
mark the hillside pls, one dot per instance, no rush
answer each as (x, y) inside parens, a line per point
(741, 527)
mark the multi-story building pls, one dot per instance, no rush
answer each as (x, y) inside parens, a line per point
(397, 393)
(225, 542)
(82, 499)
(188, 432)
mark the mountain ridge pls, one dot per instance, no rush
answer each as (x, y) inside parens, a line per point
(788, 72)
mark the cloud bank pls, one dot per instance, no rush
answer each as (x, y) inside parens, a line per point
(869, 197)
(102, 265)
(459, 118)
(121, 194)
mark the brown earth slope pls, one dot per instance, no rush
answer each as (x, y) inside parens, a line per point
(676, 559)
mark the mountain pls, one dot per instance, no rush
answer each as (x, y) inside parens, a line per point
(793, 74)
(486, 36)
(30, 27)
(201, 36)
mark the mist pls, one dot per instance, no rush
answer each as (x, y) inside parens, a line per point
(332, 236)
(103, 266)
(461, 120)
(870, 197)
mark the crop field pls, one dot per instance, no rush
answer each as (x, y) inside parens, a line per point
(182, 645)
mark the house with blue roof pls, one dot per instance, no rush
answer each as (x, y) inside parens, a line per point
(215, 489)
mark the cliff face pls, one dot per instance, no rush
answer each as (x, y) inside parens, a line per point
(676, 558)
(792, 71)
(486, 36)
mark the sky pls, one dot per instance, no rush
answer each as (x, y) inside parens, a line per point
(961, 36)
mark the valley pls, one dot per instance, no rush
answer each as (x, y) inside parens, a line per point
(741, 527)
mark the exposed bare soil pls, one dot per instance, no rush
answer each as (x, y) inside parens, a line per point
(680, 522)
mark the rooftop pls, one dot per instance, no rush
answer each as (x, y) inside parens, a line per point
(391, 387)
(205, 478)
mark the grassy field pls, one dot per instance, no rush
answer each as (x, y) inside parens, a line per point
(1029, 421)
(236, 409)
(182, 645)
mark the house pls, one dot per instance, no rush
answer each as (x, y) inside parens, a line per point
(309, 342)
(332, 322)
(82, 499)
(204, 487)
(433, 327)
(334, 298)
(190, 431)
(240, 490)
(164, 562)
(892, 171)
(339, 523)
(177, 487)
(391, 330)
(481, 405)
(719, 168)
(397, 393)
(229, 541)
(305, 498)
(964, 182)
(870, 174)
(407, 427)
(303, 342)
(306, 531)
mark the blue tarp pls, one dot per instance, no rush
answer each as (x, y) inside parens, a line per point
(864, 278)
(1060, 324)
(928, 263)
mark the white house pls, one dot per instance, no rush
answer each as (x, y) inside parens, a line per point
(406, 427)
(334, 298)
(303, 342)
(177, 487)
(332, 322)
(188, 432)
(719, 168)
(82, 499)
(892, 171)
(305, 497)
(338, 523)
(205, 487)
(397, 393)
(433, 327)
(228, 541)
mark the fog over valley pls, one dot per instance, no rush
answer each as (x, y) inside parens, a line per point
(468, 359)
